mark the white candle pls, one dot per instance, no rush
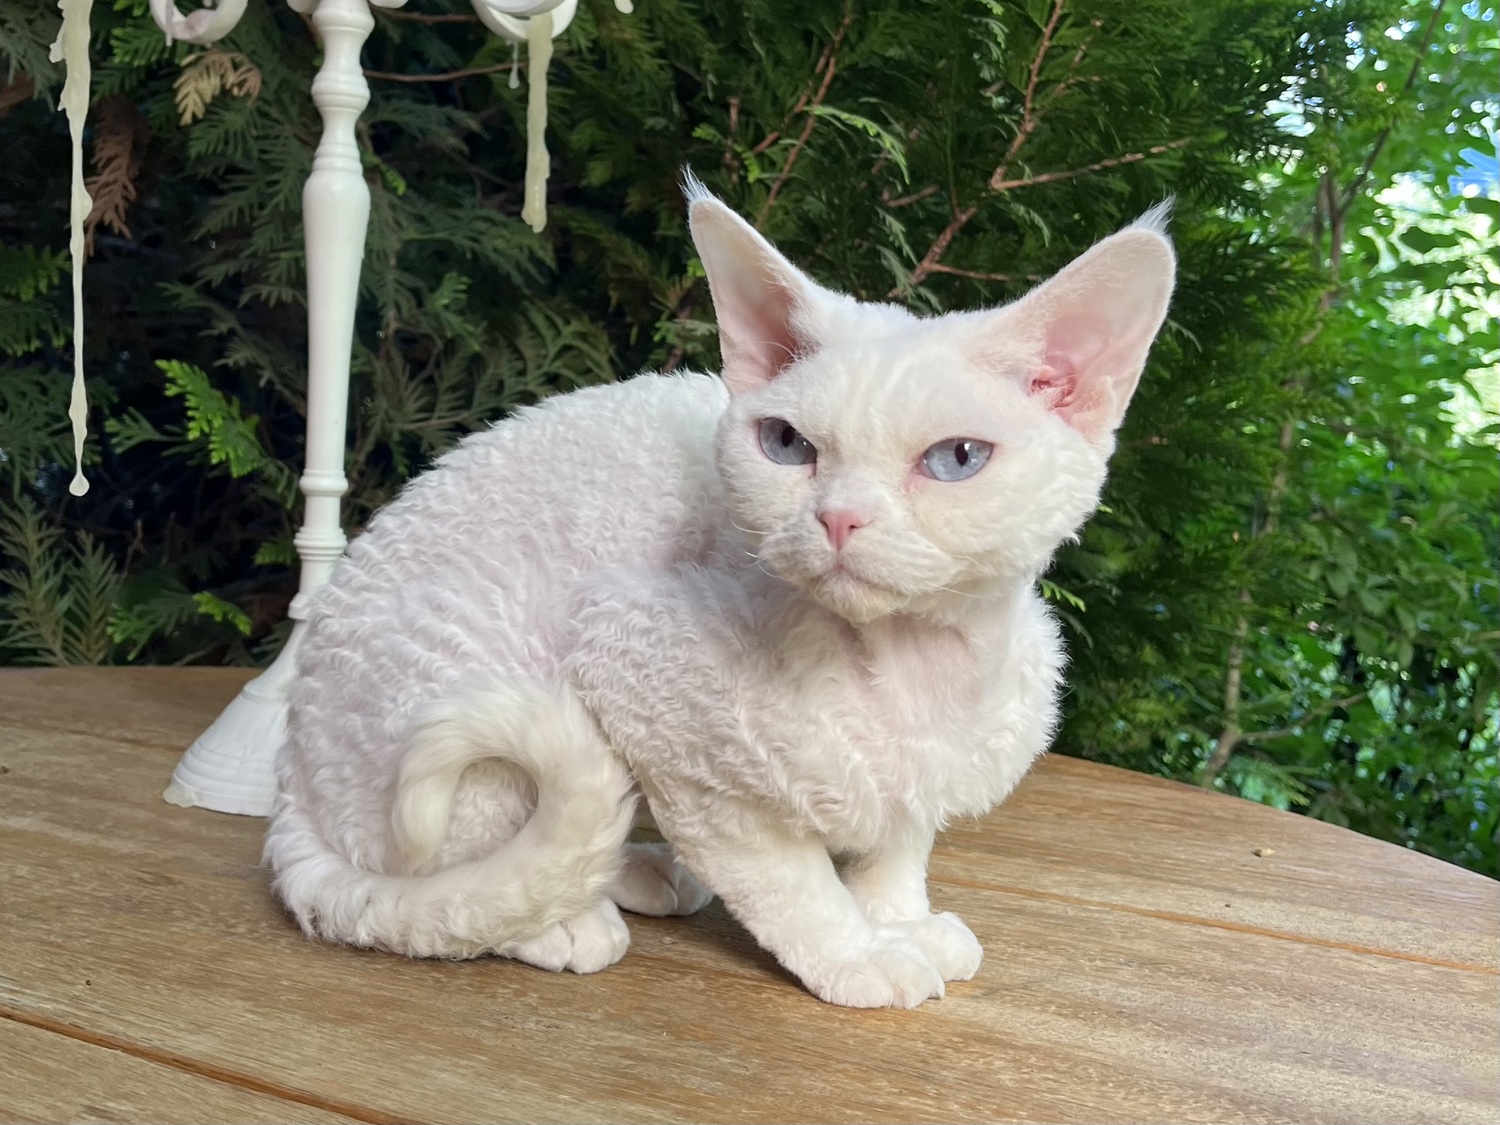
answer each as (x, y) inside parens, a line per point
(72, 47)
(538, 163)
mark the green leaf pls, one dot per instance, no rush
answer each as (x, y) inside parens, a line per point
(890, 147)
(1055, 593)
(276, 552)
(133, 429)
(217, 609)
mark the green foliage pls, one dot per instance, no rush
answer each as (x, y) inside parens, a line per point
(57, 599)
(28, 275)
(213, 430)
(27, 32)
(1290, 593)
(34, 429)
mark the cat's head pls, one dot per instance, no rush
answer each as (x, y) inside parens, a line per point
(886, 463)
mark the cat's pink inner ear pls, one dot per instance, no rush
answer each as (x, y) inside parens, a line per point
(755, 331)
(759, 297)
(1055, 382)
(1098, 319)
(1079, 379)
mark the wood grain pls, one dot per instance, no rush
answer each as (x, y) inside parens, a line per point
(1138, 842)
(47, 1076)
(163, 708)
(1142, 963)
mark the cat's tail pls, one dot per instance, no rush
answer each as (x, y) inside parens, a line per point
(556, 867)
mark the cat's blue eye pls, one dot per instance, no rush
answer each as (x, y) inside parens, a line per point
(784, 445)
(956, 458)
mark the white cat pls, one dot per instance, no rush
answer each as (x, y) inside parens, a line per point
(793, 608)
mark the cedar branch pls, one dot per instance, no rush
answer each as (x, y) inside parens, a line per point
(828, 64)
(1099, 166)
(207, 74)
(975, 275)
(120, 133)
(914, 197)
(962, 216)
(1031, 117)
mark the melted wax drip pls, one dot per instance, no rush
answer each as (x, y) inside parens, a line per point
(72, 46)
(538, 163)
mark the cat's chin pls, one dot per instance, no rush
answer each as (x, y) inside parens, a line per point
(858, 601)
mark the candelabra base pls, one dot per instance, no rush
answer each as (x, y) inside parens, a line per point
(231, 768)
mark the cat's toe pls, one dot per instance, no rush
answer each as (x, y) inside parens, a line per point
(600, 938)
(948, 943)
(549, 950)
(888, 976)
(594, 940)
(653, 881)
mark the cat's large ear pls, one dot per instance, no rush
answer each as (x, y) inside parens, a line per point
(1096, 320)
(765, 305)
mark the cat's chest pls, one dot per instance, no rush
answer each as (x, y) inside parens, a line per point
(919, 680)
(914, 718)
(889, 686)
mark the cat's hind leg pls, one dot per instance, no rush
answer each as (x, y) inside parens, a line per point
(653, 881)
(592, 941)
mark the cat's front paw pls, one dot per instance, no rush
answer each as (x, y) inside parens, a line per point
(889, 975)
(945, 940)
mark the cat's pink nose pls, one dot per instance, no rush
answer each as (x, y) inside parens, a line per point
(840, 524)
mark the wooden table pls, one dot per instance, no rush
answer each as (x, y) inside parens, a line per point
(1153, 953)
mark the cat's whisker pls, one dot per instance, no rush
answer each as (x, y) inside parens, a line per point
(960, 593)
(760, 566)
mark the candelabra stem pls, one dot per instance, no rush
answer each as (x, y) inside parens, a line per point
(231, 767)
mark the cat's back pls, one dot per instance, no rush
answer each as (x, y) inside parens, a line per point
(467, 565)
(647, 427)
(605, 474)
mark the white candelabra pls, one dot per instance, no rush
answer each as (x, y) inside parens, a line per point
(231, 766)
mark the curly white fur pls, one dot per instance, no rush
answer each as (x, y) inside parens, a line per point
(618, 593)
